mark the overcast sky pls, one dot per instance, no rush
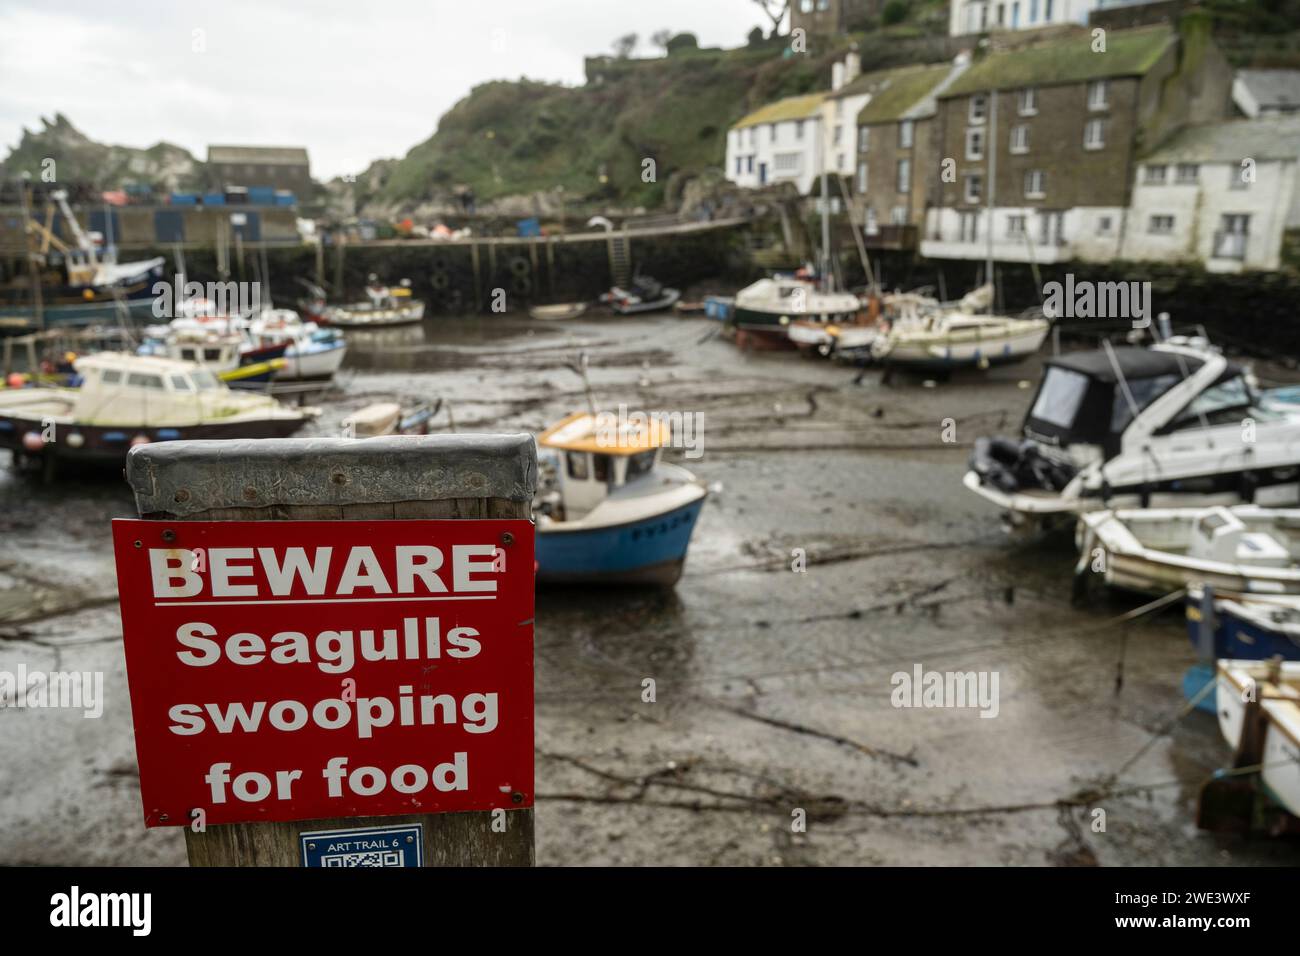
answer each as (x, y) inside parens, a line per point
(351, 81)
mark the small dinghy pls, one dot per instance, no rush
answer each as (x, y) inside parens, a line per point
(608, 510)
(646, 295)
(1258, 704)
(1244, 628)
(1244, 550)
(557, 313)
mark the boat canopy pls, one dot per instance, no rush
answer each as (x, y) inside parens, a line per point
(607, 433)
(1082, 402)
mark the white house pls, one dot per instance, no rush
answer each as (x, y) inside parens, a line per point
(985, 16)
(1266, 92)
(849, 93)
(779, 142)
(1218, 193)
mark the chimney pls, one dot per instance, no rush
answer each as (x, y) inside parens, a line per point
(837, 75)
(852, 65)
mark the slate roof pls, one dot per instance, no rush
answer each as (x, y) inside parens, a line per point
(1274, 137)
(790, 108)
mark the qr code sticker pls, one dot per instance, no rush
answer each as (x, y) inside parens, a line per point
(372, 858)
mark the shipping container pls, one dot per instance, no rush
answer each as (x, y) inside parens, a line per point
(261, 195)
(214, 199)
(183, 199)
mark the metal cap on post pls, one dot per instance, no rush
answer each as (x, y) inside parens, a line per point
(326, 479)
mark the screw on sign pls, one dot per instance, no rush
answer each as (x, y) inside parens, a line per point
(296, 670)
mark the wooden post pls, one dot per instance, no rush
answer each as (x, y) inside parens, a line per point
(280, 479)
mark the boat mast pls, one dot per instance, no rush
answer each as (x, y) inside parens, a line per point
(992, 144)
(826, 200)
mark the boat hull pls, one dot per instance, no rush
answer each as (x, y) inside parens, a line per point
(648, 551)
(312, 364)
(108, 444)
(928, 355)
(1237, 638)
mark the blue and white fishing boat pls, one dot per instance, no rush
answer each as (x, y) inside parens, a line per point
(608, 509)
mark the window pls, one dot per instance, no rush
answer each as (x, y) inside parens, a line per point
(969, 223)
(978, 108)
(212, 355)
(1051, 228)
(1187, 173)
(905, 134)
(204, 380)
(786, 163)
(1015, 15)
(904, 175)
(1161, 225)
(974, 144)
(1020, 139)
(1035, 184)
(805, 6)
(577, 465)
(898, 215)
(1104, 225)
(1097, 91)
(1144, 391)
(1155, 175)
(739, 161)
(839, 162)
(181, 384)
(1230, 240)
(1047, 11)
(1027, 101)
(1033, 11)
(1015, 227)
(141, 380)
(640, 464)
(1093, 135)
(862, 179)
(1221, 404)
(839, 108)
(111, 376)
(798, 129)
(974, 187)
(1237, 176)
(601, 469)
(837, 135)
(771, 136)
(864, 139)
(749, 164)
(1059, 397)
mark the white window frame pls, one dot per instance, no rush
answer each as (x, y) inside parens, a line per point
(973, 135)
(978, 194)
(1190, 179)
(863, 174)
(904, 172)
(1020, 133)
(1094, 142)
(1098, 95)
(1151, 225)
(977, 117)
(1012, 221)
(864, 139)
(906, 134)
(1027, 101)
(1151, 178)
(1035, 184)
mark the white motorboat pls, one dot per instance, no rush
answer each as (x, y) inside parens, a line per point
(384, 308)
(1171, 425)
(1258, 705)
(1246, 549)
(925, 334)
(126, 400)
(311, 353)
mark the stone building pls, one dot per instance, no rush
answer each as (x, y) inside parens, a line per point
(276, 167)
(1036, 147)
(827, 17)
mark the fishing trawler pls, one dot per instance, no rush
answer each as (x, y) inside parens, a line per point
(1175, 424)
(764, 312)
(125, 400)
(608, 509)
(88, 286)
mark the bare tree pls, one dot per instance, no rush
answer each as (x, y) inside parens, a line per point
(776, 11)
(660, 38)
(624, 45)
